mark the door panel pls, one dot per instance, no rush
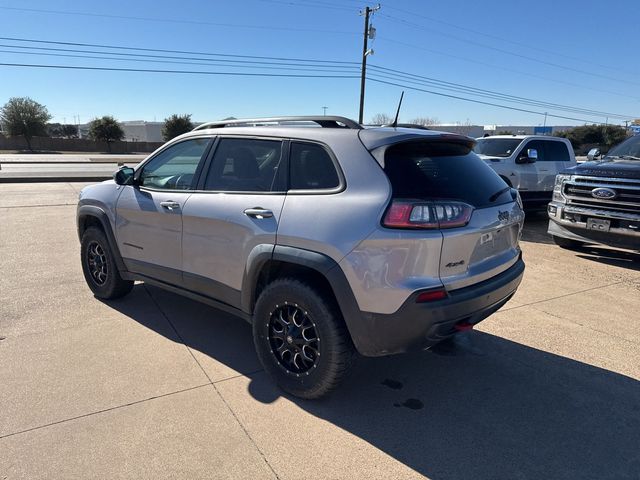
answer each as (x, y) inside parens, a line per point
(149, 232)
(149, 214)
(529, 173)
(237, 212)
(218, 238)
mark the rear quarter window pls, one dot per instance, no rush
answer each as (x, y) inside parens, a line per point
(311, 168)
(442, 170)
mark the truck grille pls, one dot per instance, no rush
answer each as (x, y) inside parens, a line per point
(627, 199)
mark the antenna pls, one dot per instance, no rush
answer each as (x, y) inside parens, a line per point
(395, 122)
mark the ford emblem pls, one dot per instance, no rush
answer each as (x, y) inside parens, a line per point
(604, 193)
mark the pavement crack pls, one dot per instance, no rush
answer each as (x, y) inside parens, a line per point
(104, 410)
(213, 384)
(563, 296)
(603, 332)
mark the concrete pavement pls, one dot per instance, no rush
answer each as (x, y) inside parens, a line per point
(157, 386)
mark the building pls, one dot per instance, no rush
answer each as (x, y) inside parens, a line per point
(142, 131)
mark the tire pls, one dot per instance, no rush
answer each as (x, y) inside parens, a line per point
(288, 315)
(99, 266)
(567, 243)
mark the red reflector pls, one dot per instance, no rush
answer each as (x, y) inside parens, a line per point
(431, 296)
(463, 327)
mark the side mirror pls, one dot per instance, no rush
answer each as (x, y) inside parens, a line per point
(593, 154)
(530, 157)
(124, 176)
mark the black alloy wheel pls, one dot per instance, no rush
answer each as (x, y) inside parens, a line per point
(294, 339)
(97, 263)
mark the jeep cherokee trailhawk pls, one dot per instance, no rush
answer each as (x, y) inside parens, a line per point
(327, 237)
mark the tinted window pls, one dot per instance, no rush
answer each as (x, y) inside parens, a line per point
(557, 152)
(437, 170)
(311, 168)
(174, 168)
(244, 165)
(497, 147)
(538, 145)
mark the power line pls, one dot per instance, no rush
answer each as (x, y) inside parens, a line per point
(500, 67)
(157, 70)
(491, 94)
(187, 52)
(209, 63)
(174, 20)
(507, 52)
(395, 84)
(166, 58)
(506, 40)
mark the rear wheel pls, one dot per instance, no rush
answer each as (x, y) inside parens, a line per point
(567, 243)
(99, 266)
(301, 339)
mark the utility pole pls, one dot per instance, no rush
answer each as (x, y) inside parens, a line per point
(324, 111)
(369, 32)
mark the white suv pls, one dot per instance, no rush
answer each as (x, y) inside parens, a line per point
(529, 163)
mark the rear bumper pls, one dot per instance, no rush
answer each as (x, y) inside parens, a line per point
(417, 326)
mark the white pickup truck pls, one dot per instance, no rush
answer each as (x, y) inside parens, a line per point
(528, 163)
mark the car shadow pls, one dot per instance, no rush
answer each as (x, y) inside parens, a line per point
(616, 258)
(483, 407)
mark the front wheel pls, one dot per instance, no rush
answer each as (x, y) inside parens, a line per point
(301, 339)
(567, 243)
(99, 266)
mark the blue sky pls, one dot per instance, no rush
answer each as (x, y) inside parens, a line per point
(574, 53)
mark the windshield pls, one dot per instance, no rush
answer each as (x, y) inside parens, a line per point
(497, 147)
(629, 149)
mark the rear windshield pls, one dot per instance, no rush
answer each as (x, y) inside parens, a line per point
(441, 170)
(497, 147)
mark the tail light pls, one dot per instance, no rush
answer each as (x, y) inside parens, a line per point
(420, 214)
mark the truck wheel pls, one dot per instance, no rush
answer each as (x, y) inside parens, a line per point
(301, 339)
(99, 267)
(567, 243)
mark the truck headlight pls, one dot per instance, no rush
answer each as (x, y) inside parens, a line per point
(557, 187)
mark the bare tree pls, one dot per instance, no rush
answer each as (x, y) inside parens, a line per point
(381, 119)
(425, 121)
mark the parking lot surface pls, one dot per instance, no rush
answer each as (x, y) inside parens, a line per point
(157, 386)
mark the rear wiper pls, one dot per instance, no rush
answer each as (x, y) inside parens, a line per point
(495, 196)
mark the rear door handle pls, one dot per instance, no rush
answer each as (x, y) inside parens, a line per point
(258, 212)
(170, 205)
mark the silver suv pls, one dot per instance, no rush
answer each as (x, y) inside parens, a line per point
(327, 237)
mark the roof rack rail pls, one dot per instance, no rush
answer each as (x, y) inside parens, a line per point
(323, 121)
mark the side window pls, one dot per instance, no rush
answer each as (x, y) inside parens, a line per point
(174, 168)
(537, 145)
(557, 152)
(244, 165)
(311, 168)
